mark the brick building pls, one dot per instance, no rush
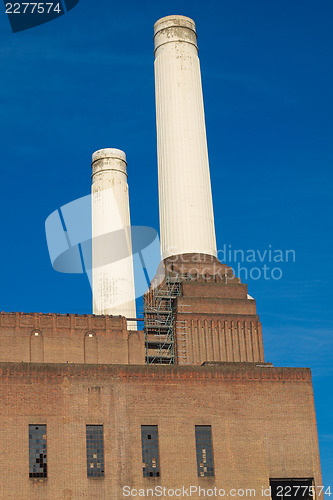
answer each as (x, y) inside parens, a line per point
(221, 416)
(93, 409)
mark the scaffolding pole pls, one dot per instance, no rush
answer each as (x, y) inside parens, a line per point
(160, 327)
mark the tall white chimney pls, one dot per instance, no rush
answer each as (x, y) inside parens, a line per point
(112, 261)
(185, 197)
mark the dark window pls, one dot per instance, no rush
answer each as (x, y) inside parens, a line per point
(203, 439)
(95, 451)
(37, 451)
(292, 488)
(149, 437)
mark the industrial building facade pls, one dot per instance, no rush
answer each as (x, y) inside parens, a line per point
(260, 422)
(84, 416)
(93, 407)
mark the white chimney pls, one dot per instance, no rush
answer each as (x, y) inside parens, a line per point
(185, 197)
(112, 261)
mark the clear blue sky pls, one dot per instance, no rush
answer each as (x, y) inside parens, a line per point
(85, 82)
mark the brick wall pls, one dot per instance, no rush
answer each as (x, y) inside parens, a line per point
(262, 418)
(214, 317)
(215, 320)
(57, 338)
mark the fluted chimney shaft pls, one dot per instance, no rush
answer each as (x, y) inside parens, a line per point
(112, 261)
(186, 208)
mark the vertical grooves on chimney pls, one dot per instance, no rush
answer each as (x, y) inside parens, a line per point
(186, 208)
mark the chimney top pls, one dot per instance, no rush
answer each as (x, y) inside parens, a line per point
(108, 153)
(108, 159)
(174, 29)
(174, 21)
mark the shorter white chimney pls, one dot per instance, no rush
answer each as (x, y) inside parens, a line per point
(112, 260)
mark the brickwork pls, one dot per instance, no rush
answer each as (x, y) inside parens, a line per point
(221, 325)
(214, 317)
(57, 338)
(70, 371)
(221, 340)
(262, 418)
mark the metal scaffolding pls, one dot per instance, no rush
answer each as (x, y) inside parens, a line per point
(160, 326)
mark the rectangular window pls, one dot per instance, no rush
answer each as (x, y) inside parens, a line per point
(95, 451)
(292, 488)
(149, 438)
(203, 439)
(37, 451)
